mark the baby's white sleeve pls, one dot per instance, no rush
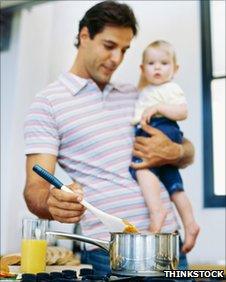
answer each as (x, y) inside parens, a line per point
(176, 96)
(142, 103)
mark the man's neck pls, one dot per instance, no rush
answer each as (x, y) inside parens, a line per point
(79, 70)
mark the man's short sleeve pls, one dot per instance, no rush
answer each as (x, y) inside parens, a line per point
(40, 128)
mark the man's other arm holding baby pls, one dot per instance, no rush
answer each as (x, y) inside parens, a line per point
(158, 149)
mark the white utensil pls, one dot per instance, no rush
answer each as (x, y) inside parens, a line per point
(113, 223)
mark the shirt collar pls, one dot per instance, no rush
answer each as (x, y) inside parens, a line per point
(76, 83)
(73, 82)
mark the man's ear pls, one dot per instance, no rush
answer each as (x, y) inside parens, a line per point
(84, 36)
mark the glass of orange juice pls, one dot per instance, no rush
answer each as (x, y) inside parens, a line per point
(34, 245)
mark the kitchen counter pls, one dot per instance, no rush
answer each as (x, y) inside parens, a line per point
(51, 268)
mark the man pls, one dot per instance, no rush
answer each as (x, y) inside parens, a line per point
(82, 122)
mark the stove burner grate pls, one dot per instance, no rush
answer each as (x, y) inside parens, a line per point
(87, 275)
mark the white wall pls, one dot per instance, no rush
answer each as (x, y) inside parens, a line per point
(42, 47)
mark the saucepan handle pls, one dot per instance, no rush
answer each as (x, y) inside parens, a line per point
(61, 235)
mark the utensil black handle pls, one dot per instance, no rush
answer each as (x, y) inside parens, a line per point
(47, 176)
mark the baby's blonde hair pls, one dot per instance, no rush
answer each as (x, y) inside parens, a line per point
(158, 44)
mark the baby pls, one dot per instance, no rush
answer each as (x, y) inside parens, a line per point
(161, 103)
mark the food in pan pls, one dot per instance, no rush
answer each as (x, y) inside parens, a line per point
(129, 227)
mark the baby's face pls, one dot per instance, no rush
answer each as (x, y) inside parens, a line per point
(158, 66)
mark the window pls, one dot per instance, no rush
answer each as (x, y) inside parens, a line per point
(7, 9)
(213, 76)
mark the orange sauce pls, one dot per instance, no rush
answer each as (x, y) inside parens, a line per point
(130, 228)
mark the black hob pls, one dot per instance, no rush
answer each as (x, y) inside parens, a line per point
(87, 275)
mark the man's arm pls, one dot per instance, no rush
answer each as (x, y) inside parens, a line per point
(158, 150)
(187, 154)
(50, 203)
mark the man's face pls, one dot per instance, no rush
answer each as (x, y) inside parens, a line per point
(104, 53)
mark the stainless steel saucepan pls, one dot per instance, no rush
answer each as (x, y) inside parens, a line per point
(136, 254)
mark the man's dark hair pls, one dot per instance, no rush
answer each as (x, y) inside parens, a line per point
(107, 13)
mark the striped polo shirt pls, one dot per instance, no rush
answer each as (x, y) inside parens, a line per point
(90, 133)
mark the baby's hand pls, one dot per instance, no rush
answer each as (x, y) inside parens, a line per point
(149, 113)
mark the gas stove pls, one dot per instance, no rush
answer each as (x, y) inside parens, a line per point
(87, 275)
